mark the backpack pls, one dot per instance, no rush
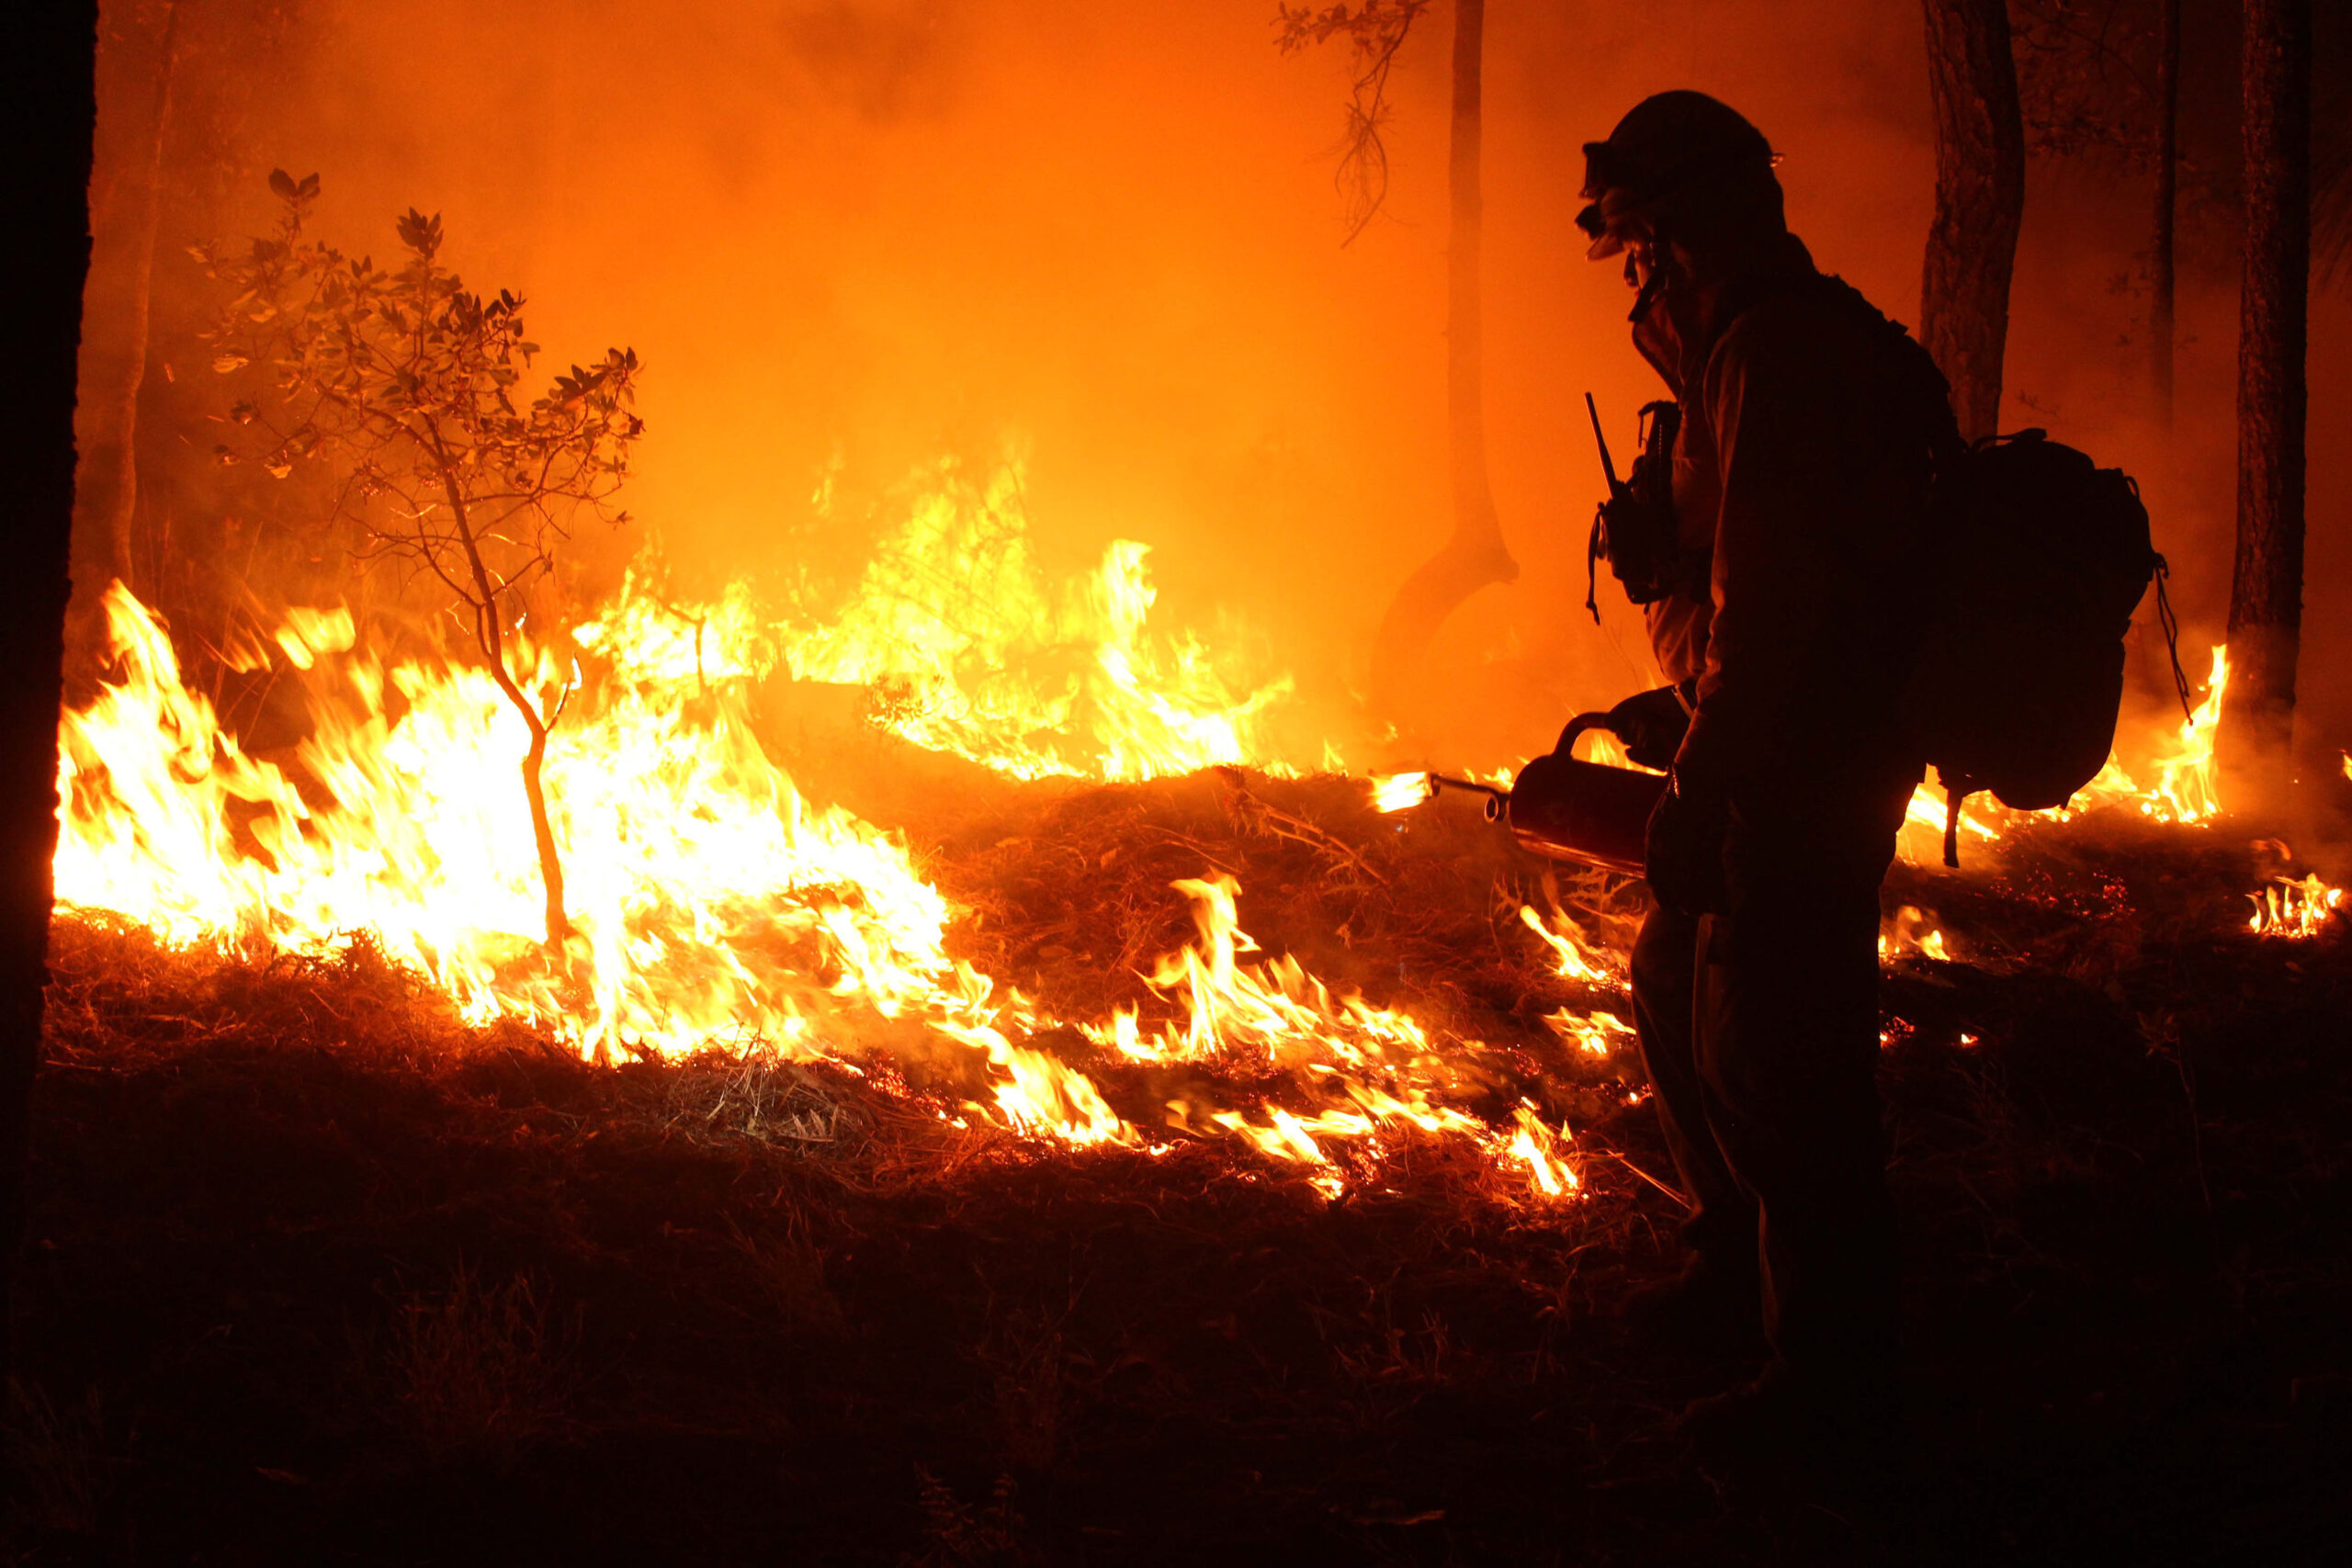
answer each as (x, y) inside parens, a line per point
(2038, 559)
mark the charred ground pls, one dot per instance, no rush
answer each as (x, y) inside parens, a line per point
(320, 1275)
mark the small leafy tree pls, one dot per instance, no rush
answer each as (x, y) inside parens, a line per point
(405, 385)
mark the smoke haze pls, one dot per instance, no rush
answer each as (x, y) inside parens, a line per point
(855, 239)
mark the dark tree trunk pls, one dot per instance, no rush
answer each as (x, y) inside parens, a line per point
(2267, 589)
(2160, 247)
(125, 200)
(1476, 555)
(1980, 200)
(48, 53)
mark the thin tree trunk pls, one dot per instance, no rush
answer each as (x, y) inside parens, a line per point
(2160, 259)
(48, 112)
(492, 639)
(2266, 588)
(1476, 555)
(558, 921)
(535, 790)
(114, 345)
(1980, 201)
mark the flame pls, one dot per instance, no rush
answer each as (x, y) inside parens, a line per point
(712, 908)
(968, 648)
(711, 903)
(1577, 958)
(1608, 751)
(1537, 1149)
(1276, 1015)
(2188, 787)
(1400, 792)
(2290, 908)
(1368, 1070)
(1594, 1033)
(1912, 931)
(1927, 810)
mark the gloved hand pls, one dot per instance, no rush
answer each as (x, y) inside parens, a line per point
(1652, 725)
(1683, 854)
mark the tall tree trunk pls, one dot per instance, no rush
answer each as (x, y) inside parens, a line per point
(126, 198)
(48, 54)
(1980, 200)
(1474, 555)
(2267, 589)
(2160, 258)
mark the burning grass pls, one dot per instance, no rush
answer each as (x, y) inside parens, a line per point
(715, 906)
(319, 1268)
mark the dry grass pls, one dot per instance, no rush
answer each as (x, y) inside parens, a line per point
(57, 1461)
(352, 1280)
(479, 1371)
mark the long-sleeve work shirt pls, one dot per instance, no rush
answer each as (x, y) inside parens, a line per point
(1803, 465)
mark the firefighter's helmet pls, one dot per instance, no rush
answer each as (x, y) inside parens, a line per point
(1675, 144)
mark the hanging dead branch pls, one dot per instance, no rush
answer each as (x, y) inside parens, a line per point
(1375, 30)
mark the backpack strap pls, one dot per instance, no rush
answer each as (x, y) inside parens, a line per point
(1925, 386)
(2170, 623)
(1595, 546)
(1958, 787)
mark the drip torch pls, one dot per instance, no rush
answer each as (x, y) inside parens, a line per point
(1565, 809)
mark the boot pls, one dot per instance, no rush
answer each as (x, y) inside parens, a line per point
(1713, 1304)
(1782, 1416)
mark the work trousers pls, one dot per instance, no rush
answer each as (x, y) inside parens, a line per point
(1759, 1027)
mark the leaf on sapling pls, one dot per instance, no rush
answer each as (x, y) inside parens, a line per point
(282, 186)
(418, 233)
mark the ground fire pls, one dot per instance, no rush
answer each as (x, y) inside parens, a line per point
(716, 909)
(1025, 861)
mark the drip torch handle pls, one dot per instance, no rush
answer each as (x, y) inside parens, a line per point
(1576, 728)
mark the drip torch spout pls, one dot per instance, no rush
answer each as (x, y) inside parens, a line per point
(1497, 797)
